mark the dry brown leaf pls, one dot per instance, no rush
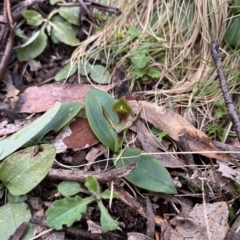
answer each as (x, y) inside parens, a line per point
(82, 135)
(194, 227)
(164, 119)
(151, 145)
(40, 99)
(77, 135)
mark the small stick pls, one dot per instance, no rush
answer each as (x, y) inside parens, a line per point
(102, 177)
(227, 97)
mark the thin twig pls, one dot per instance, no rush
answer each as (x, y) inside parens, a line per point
(102, 177)
(8, 48)
(227, 97)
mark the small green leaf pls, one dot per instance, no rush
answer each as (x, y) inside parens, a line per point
(23, 170)
(107, 223)
(162, 134)
(138, 72)
(33, 18)
(153, 73)
(69, 188)
(63, 31)
(140, 60)
(92, 185)
(33, 47)
(95, 100)
(84, 67)
(100, 74)
(21, 137)
(16, 199)
(149, 174)
(12, 215)
(66, 211)
(71, 14)
(67, 71)
(107, 194)
(232, 35)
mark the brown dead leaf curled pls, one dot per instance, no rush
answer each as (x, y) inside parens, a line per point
(164, 119)
(40, 99)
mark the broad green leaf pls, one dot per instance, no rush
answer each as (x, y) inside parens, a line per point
(107, 222)
(25, 169)
(232, 36)
(66, 211)
(71, 14)
(154, 73)
(16, 199)
(32, 49)
(100, 74)
(84, 67)
(107, 194)
(18, 139)
(67, 71)
(53, 2)
(149, 174)
(63, 30)
(33, 18)
(69, 188)
(94, 101)
(92, 185)
(64, 115)
(12, 215)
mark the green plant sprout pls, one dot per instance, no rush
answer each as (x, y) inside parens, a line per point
(68, 210)
(107, 119)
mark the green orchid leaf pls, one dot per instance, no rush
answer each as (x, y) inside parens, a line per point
(31, 165)
(66, 211)
(100, 74)
(12, 215)
(64, 115)
(71, 14)
(149, 174)
(33, 18)
(24, 135)
(95, 100)
(92, 185)
(69, 188)
(33, 47)
(63, 31)
(66, 72)
(107, 223)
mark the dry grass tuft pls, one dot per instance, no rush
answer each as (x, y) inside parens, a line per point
(180, 33)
